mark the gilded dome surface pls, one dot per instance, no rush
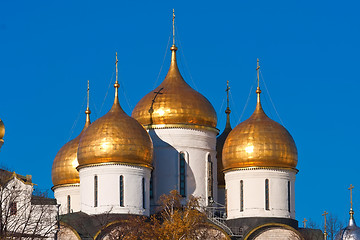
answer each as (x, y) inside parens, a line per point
(115, 138)
(65, 162)
(174, 102)
(259, 142)
(2, 129)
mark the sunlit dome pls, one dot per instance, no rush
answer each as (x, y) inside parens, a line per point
(259, 142)
(115, 138)
(174, 102)
(65, 162)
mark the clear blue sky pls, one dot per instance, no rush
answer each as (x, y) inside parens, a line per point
(309, 56)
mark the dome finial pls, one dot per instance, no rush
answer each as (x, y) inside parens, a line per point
(325, 233)
(116, 85)
(258, 91)
(173, 23)
(173, 47)
(351, 212)
(87, 111)
(227, 111)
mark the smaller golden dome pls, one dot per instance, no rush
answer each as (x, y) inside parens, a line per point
(115, 138)
(2, 129)
(259, 142)
(65, 162)
(175, 102)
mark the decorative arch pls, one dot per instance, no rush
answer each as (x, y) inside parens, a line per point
(262, 228)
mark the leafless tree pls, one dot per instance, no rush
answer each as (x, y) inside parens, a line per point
(22, 214)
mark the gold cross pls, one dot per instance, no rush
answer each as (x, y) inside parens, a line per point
(304, 222)
(351, 188)
(227, 92)
(173, 22)
(257, 69)
(325, 233)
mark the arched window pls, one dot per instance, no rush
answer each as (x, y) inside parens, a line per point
(143, 192)
(95, 191)
(267, 194)
(289, 196)
(210, 177)
(68, 204)
(121, 190)
(182, 177)
(241, 196)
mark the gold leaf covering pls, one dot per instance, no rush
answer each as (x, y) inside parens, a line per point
(174, 102)
(115, 138)
(65, 162)
(2, 129)
(259, 142)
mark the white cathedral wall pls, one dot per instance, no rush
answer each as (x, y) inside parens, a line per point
(109, 189)
(254, 193)
(61, 194)
(197, 145)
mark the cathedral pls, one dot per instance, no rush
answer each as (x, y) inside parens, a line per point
(120, 165)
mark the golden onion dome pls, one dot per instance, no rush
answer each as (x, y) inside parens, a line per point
(174, 102)
(2, 129)
(64, 166)
(115, 138)
(259, 142)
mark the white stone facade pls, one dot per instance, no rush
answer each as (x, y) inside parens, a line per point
(198, 146)
(68, 197)
(132, 199)
(281, 185)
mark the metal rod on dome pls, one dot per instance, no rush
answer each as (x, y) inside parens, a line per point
(173, 22)
(227, 93)
(325, 233)
(116, 64)
(116, 85)
(258, 91)
(257, 69)
(88, 98)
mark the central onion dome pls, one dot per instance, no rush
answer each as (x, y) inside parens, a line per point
(259, 142)
(115, 138)
(64, 166)
(174, 102)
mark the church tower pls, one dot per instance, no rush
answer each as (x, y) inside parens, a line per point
(182, 125)
(115, 162)
(64, 175)
(219, 147)
(259, 160)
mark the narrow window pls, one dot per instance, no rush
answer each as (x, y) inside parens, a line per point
(241, 196)
(289, 195)
(182, 175)
(69, 203)
(121, 190)
(210, 177)
(143, 192)
(13, 208)
(151, 186)
(267, 194)
(95, 191)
